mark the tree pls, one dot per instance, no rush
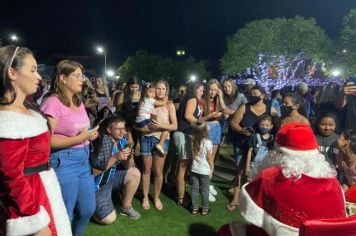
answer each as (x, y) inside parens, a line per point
(273, 38)
(346, 45)
(154, 67)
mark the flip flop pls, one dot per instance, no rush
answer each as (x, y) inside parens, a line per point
(145, 204)
(158, 205)
(230, 207)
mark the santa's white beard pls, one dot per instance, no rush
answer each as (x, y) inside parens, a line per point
(313, 165)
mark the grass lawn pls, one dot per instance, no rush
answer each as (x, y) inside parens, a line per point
(173, 220)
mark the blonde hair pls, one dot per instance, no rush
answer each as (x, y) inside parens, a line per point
(65, 67)
(199, 133)
(207, 97)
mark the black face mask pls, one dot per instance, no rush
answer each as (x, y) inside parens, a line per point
(253, 99)
(286, 110)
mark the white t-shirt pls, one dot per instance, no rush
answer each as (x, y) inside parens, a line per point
(145, 110)
(200, 163)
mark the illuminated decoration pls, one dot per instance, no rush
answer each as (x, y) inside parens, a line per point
(276, 72)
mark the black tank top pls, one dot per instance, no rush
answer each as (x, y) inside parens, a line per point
(249, 119)
(183, 125)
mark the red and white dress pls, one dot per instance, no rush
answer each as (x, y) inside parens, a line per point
(28, 203)
(275, 205)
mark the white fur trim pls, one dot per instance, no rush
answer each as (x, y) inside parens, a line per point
(298, 153)
(28, 224)
(15, 125)
(237, 228)
(60, 216)
(257, 216)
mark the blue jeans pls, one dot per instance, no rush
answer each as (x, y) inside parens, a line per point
(77, 185)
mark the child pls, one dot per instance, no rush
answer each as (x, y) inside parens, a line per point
(146, 107)
(259, 143)
(325, 125)
(202, 166)
(346, 159)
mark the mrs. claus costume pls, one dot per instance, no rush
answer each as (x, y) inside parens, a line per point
(293, 184)
(30, 196)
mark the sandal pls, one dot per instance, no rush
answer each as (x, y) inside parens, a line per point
(230, 207)
(195, 211)
(205, 212)
(158, 205)
(180, 201)
(145, 204)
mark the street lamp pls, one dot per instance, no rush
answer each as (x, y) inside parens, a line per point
(110, 73)
(101, 50)
(193, 78)
(14, 38)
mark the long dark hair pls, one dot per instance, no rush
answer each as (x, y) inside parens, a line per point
(351, 136)
(10, 56)
(192, 89)
(130, 81)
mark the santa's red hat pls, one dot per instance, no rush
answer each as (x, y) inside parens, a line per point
(297, 139)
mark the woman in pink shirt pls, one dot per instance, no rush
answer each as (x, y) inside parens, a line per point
(70, 142)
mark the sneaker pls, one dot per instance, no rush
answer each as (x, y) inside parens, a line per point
(211, 198)
(130, 212)
(212, 190)
(160, 149)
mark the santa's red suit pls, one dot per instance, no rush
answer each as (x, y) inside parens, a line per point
(293, 184)
(28, 202)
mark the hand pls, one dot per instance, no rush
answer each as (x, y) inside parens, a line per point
(87, 134)
(220, 93)
(44, 232)
(349, 88)
(123, 154)
(215, 115)
(227, 111)
(155, 124)
(246, 132)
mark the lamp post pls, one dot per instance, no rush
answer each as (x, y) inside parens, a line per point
(101, 50)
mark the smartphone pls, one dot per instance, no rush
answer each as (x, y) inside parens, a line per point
(353, 80)
(99, 123)
(153, 117)
(250, 129)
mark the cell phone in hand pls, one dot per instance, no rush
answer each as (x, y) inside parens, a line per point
(353, 80)
(154, 117)
(250, 129)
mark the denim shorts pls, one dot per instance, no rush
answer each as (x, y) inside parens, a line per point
(214, 132)
(240, 155)
(148, 144)
(143, 123)
(103, 196)
(183, 145)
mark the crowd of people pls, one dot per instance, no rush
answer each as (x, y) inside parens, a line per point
(68, 148)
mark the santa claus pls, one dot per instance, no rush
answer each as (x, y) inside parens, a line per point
(292, 184)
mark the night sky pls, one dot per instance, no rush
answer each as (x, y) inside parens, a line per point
(75, 27)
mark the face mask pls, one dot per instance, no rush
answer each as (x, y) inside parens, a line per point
(265, 130)
(286, 110)
(254, 99)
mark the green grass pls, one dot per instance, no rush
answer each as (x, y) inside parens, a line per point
(173, 220)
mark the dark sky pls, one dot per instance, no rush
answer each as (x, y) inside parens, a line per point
(75, 27)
